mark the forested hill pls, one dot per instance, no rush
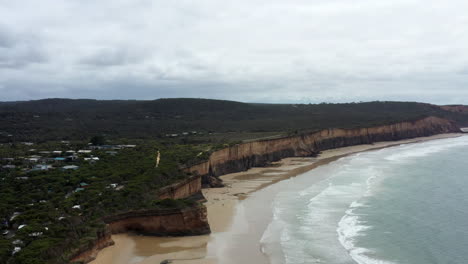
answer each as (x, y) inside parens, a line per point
(52, 119)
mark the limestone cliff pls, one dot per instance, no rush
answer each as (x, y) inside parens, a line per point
(258, 153)
(182, 189)
(159, 222)
(163, 222)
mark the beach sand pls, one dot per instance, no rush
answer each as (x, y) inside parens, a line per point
(237, 213)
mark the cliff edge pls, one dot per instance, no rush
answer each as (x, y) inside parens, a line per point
(259, 153)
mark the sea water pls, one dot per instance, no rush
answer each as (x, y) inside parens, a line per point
(403, 204)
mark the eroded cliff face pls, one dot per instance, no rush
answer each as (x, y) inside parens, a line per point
(258, 153)
(181, 189)
(89, 253)
(170, 222)
(159, 222)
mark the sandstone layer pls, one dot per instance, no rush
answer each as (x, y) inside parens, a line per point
(259, 153)
(182, 189)
(161, 222)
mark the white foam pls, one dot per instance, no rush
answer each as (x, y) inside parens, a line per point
(349, 229)
(306, 220)
(406, 152)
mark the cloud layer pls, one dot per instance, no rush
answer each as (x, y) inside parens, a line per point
(256, 50)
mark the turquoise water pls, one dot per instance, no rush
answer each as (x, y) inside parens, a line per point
(404, 204)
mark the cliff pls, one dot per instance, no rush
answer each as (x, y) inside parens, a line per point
(456, 108)
(188, 221)
(182, 189)
(88, 253)
(160, 222)
(163, 222)
(258, 153)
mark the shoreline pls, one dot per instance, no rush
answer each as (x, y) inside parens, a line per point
(238, 215)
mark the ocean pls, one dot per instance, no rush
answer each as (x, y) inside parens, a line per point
(406, 204)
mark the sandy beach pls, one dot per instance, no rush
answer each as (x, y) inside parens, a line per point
(238, 215)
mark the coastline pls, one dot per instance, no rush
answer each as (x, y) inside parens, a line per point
(237, 213)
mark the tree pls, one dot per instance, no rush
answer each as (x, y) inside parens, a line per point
(98, 140)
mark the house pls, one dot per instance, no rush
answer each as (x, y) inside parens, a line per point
(59, 159)
(76, 207)
(107, 147)
(70, 167)
(9, 167)
(16, 250)
(84, 151)
(15, 214)
(48, 160)
(84, 185)
(79, 189)
(71, 158)
(41, 167)
(33, 158)
(91, 159)
(70, 152)
(57, 152)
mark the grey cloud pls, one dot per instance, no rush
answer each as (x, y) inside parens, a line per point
(6, 38)
(112, 57)
(19, 50)
(248, 50)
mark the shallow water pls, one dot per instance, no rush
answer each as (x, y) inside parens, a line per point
(404, 204)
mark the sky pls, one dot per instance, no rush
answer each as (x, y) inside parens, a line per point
(295, 51)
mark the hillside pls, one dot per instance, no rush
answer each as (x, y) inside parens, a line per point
(52, 119)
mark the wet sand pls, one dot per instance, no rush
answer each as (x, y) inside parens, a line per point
(237, 213)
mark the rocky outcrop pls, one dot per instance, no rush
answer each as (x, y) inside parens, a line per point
(161, 222)
(182, 189)
(88, 253)
(259, 153)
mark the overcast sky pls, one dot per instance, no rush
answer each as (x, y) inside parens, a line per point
(245, 50)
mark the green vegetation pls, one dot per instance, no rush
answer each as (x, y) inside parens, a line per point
(57, 119)
(47, 200)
